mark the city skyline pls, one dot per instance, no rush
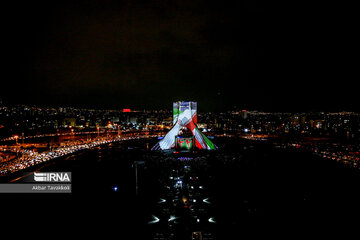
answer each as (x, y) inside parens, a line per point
(25, 129)
(181, 120)
(120, 109)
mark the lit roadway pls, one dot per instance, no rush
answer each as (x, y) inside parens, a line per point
(30, 158)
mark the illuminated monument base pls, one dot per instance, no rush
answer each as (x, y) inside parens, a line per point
(184, 116)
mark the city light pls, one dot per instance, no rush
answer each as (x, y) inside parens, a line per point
(155, 220)
(211, 220)
(30, 158)
(206, 200)
(162, 200)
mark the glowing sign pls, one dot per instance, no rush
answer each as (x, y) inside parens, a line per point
(184, 143)
(126, 110)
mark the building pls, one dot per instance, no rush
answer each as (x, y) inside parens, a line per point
(184, 117)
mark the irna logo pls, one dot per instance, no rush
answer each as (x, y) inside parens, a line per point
(52, 177)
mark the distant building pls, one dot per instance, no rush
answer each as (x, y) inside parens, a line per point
(244, 114)
(202, 125)
(184, 117)
(69, 122)
(133, 120)
(167, 121)
(151, 120)
(115, 119)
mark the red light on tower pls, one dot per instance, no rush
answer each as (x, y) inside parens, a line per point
(126, 110)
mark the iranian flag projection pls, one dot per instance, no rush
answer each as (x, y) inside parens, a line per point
(184, 115)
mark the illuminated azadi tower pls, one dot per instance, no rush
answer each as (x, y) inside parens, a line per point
(184, 116)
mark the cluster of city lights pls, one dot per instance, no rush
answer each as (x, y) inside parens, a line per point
(19, 137)
(30, 158)
(348, 155)
(179, 182)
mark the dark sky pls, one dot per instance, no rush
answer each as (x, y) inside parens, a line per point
(145, 54)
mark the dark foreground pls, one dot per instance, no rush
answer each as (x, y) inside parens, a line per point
(245, 189)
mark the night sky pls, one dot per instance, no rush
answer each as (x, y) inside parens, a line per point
(145, 54)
